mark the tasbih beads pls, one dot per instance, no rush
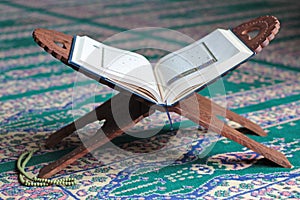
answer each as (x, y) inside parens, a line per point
(26, 180)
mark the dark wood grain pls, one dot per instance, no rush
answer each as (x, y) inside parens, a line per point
(55, 43)
(194, 109)
(266, 27)
(110, 129)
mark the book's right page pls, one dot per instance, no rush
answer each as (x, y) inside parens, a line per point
(188, 69)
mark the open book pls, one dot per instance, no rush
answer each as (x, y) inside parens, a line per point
(173, 77)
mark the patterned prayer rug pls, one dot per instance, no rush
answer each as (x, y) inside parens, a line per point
(39, 95)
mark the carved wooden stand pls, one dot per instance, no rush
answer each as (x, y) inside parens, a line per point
(196, 108)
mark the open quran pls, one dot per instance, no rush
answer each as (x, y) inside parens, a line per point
(173, 77)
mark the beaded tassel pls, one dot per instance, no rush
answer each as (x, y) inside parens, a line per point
(26, 180)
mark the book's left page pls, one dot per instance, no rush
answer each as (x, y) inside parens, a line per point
(127, 69)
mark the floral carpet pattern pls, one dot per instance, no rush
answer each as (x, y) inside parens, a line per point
(37, 97)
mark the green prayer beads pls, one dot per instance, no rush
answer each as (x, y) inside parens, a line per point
(26, 180)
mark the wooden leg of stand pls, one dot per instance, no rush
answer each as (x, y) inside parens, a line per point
(67, 130)
(82, 150)
(111, 129)
(57, 136)
(202, 116)
(215, 109)
(269, 153)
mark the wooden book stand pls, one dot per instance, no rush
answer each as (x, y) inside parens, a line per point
(196, 108)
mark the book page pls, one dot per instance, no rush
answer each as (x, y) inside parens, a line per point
(178, 65)
(184, 71)
(118, 65)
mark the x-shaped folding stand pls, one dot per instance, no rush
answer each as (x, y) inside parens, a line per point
(196, 107)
